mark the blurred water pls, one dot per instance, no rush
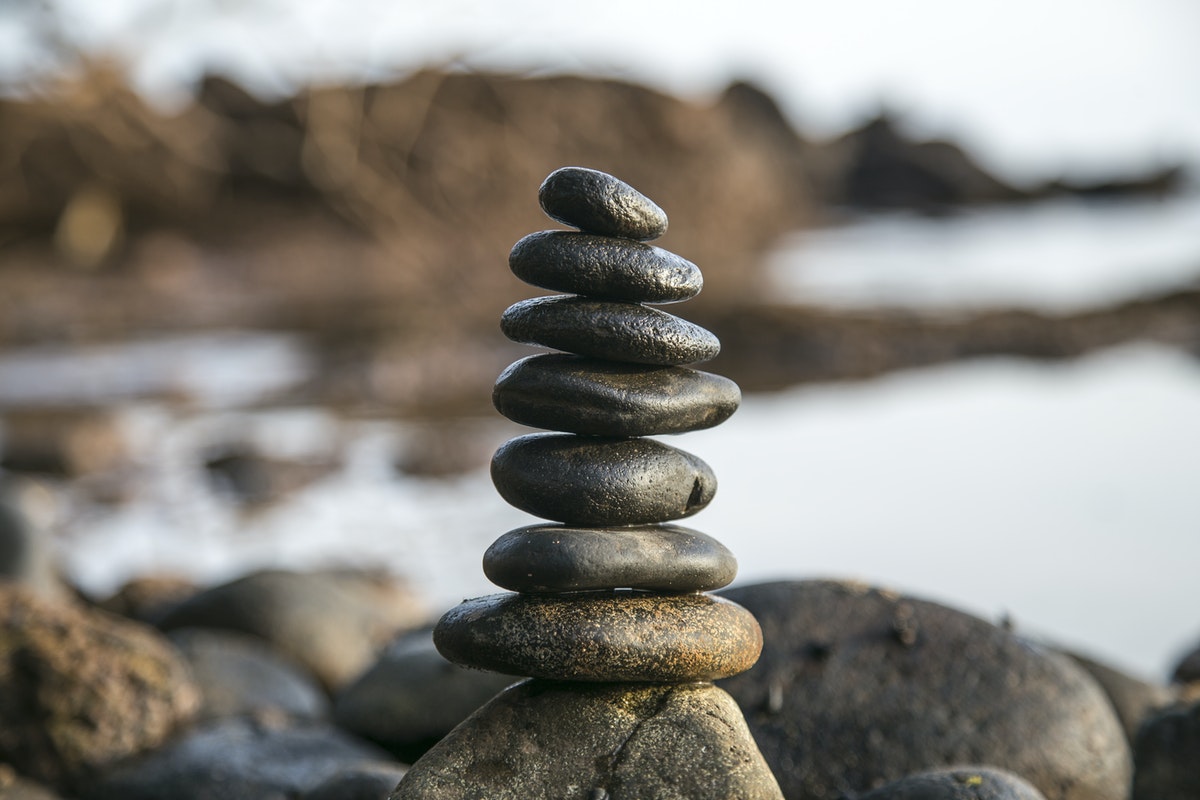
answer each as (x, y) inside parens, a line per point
(1062, 495)
(211, 369)
(1065, 255)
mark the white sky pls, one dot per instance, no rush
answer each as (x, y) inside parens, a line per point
(1035, 87)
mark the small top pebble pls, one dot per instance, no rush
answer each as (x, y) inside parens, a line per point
(598, 203)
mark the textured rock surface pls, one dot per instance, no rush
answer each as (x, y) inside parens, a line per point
(546, 741)
(605, 268)
(369, 781)
(608, 329)
(601, 636)
(81, 689)
(582, 480)
(553, 558)
(599, 203)
(601, 398)
(1166, 755)
(1133, 699)
(333, 622)
(412, 697)
(857, 686)
(241, 674)
(236, 760)
(961, 783)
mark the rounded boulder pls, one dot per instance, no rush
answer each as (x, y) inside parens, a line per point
(858, 686)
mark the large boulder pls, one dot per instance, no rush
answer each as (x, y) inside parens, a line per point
(544, 740)
(81, 689)
(858, 686)
(1132, 698)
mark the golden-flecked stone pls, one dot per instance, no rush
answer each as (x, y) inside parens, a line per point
(602, 636)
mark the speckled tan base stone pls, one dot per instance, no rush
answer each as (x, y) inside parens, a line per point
(542, 740)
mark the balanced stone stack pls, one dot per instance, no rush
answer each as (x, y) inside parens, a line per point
(607, 613)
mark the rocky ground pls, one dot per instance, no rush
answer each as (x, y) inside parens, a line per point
(326, 685)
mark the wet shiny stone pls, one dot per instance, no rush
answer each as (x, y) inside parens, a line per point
(603, 267)
(554, 558)
(589, 481)
(610, 330)
(602, 398)
(599, 203)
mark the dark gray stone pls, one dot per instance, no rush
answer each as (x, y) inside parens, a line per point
(236, 759)
(412, 697)
(604, 268)
(960, 783)
(608, 329)
(553, 558)
(1133, 699)
(590, 481)
(601, 636)
(549, 741)
(1166, 755)
(241, 674)
(370, 781)
(604, 398)
(1188, 668)
(334, 622)
(599, 203)
(858, 686)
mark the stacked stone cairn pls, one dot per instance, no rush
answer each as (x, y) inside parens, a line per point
(607, 613)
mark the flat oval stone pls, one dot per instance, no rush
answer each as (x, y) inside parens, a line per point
(554, 558)
(599, 203)
(602, 637)
(607, 329)
(603, 267)
(562, 392)
(583, 480)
